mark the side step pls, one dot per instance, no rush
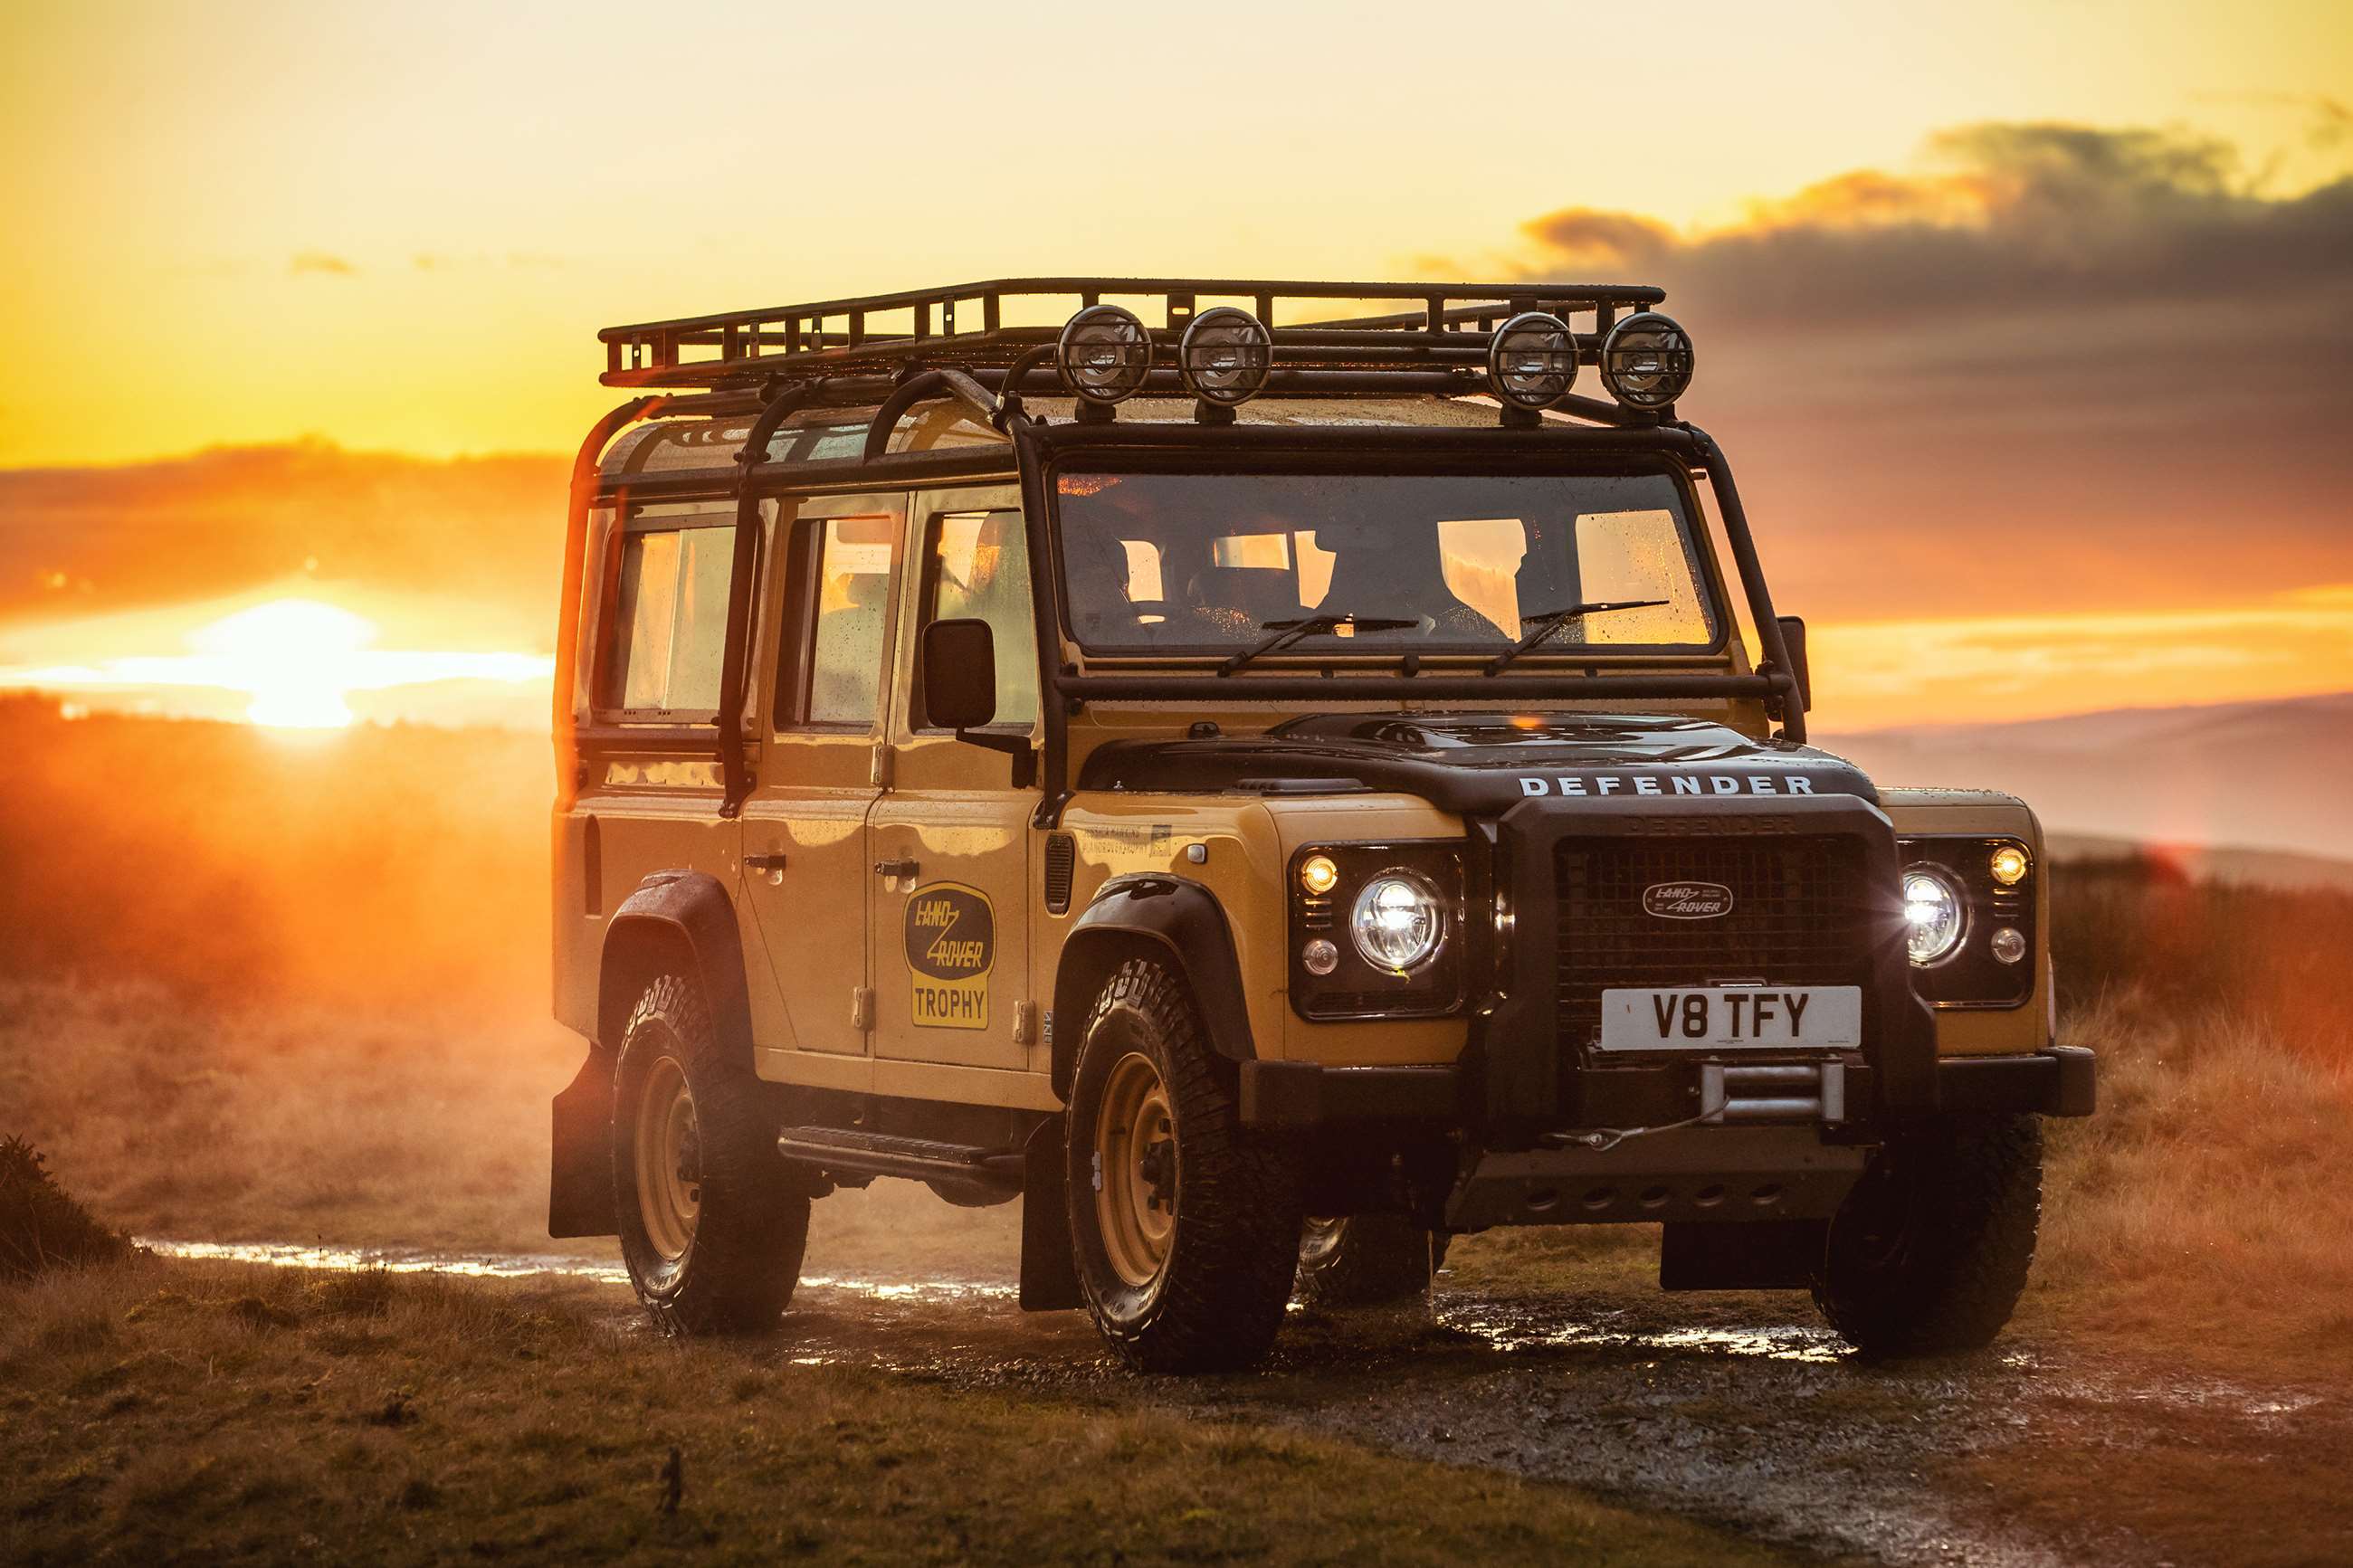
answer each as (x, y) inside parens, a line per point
(849, 1151)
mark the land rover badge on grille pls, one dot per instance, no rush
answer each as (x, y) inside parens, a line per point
(1686, 900)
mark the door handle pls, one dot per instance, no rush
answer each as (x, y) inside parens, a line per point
(764, 862)
(895, 867)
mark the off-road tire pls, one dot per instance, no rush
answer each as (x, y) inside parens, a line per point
(1219, 1298)
(1366, 1260)
(1929, 1252)
(743, 1257)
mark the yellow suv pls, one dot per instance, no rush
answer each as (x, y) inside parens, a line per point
(1273, 776)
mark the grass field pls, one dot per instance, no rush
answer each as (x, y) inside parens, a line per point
(228, 1014)
(201, 1413)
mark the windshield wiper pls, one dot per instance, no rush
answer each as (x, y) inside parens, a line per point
(1289, 632)
(1547, 622)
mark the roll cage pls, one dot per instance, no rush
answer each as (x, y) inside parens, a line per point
(768, 365)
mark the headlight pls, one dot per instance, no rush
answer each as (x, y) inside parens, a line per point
(1646, 361)
(1225, 355)
(1104, 354)
(1397, 923)
(1532, 361)
(1934, 914)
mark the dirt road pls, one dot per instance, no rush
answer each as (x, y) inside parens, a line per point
(1759, 1419)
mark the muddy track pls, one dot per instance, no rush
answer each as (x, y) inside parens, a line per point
(1771, 1426)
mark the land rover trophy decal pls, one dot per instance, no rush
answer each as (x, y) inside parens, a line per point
(1686, 900)
(951, 938)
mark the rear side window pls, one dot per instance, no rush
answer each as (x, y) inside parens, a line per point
(669, 616)
(841, 571)
(977, 568)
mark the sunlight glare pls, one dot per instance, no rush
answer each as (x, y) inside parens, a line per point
(296, 657)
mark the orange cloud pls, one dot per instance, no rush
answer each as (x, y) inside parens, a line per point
(321, 264)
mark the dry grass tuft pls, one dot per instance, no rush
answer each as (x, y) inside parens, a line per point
(41, 1227)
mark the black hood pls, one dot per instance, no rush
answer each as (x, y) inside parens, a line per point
(1481, 762)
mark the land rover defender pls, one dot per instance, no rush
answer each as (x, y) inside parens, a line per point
(1273, 776)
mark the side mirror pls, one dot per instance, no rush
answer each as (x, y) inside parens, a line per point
(1793, 638)
(959, 673)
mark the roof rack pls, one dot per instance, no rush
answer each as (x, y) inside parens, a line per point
(987, 329)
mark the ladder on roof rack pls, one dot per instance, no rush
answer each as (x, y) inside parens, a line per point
(989, 325)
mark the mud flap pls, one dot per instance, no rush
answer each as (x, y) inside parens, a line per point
(1050, 1266)
(580, 1178)
(1756, 1255)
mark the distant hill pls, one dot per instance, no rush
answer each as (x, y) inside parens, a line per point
(2242, 775)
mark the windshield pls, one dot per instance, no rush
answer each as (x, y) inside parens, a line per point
(1203, 562)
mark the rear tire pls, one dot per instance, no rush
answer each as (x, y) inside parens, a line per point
(1366, 1260)
(1185, 1223)
(1929, 1252)
(712, 1222)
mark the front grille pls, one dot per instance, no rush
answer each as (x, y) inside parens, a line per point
(1799, 916)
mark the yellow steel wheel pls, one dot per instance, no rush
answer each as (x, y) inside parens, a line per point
(1135, 1170)
(668, 1160)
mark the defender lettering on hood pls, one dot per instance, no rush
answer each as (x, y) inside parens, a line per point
(1485, 762)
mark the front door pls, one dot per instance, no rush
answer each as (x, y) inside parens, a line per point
(808, 871)
(951, 837)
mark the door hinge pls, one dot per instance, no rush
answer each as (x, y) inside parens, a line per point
(861, 1007)
(1025, 1023)
(878, 771)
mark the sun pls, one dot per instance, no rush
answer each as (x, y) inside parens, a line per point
(297, 658)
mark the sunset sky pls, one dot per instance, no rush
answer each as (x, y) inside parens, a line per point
(2027, 326)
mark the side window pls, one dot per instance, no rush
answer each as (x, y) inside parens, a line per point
(841, 575)
(977, 565)
(667, 625)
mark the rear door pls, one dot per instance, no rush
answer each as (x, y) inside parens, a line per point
(951, 836)
(809, 875)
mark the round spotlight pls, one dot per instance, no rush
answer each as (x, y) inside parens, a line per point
(2009, 946)
(1398, 921)
(1225, 355)
(2009, 865)
(1933, 915)
(1104, 354)
(1646, 361)
(1319, 957)
(1532, 363)
(1318, 875)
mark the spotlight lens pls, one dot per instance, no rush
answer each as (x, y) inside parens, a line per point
(1397, 923)
(1532, 361)
(1319, 957)
(2009, 865)
(1318, 875)
(1932, 915)
(2008, 945)
(1646, 361)
(1105, 354)
(1225, 355)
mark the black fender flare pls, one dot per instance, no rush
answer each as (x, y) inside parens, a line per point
(672, 918)
(676, 921)
(1183, 918)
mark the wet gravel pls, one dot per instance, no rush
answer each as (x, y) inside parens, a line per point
(1767, 1422)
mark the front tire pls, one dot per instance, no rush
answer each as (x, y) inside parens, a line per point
(1366, 1260)
(712, 1221)
(1186, 1223)
(1929, 1252)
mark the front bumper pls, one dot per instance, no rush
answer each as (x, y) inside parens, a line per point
(2058, 1081)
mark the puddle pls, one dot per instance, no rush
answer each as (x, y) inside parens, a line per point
(1509, 1328)
(527, 1265)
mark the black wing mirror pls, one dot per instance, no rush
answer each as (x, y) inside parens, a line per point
(959, 684)
(1793, 638)
(959, 673)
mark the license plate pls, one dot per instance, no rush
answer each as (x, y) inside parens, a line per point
(1716, 1018)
